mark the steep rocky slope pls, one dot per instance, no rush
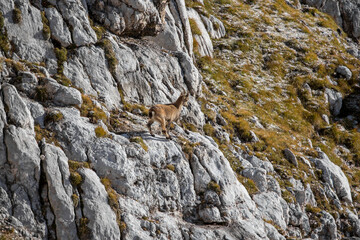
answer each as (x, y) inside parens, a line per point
(267, 147)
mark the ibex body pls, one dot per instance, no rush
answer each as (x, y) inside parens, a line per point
(165, 114)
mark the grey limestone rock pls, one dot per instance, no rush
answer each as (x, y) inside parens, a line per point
(17, 114)
(26, 35)
(334, 99)
(210, 215)
(28, 83)
(37, 111)
(74, 13)
(204, 41)
(272, 207)
(344, 72)
(328, 228)
(59, 29)
(62, 95)
(258, 175)
(131, 18)
(290, 156)
(334, 176)
(214, 26)
(355, 222)
(56, 168)
(102, 220)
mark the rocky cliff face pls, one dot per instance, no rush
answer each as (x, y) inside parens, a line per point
(264, 149)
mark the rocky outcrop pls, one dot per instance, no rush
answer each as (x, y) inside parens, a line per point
(55, 165)
(345, 13)
(333, 175)
(131, 18)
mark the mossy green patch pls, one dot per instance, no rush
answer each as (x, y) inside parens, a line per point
(140, 141)
(100, 132)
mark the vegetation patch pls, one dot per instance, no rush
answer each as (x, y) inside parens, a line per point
(214, 187)
(42, 133)
(53, 117)
(75, 199)
(248, 184)
(75, 178)
(113, 199)
(90, 110)
(140, 141)
(4, 42)
(61, 55)
(75, 165)
(194, 27)
(100, 132)
(17, 17)
(109, 55)
(170, 167)
(84, 230)
(46, 27)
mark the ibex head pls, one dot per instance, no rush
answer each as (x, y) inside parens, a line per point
(185, 97)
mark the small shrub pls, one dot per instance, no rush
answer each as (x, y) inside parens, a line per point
(90, 110)
(214, 187)
(53, 117)
(41, 133)
(170, 167)
(41, 94)
(140, 141)
(84, 230)
(75, 165)
(46, 29)
(209, 129)
(109, 55)
(312, 209)
(61, 55)
(122, 226)
(75, 178)
(100, 132)
(75, 199)
(17, 17)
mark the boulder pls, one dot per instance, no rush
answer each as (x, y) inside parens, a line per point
(17, 114)
(130, 18)
(334, 99)
(210, 215)
(343, 71)
(272, 207)
(290, 156)
(333, 175)
(61, 95)
(59, 30)
(26, 36)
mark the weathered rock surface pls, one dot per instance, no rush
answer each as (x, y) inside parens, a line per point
(59, 29)
(56, 168)
(334, 99)
(333, 175)
(205, 46)
(345, 12)
(102, 220)
(131, 18)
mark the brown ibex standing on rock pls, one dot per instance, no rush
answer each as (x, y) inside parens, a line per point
(165, 114)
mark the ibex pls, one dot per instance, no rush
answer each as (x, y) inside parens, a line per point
(165, 114)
